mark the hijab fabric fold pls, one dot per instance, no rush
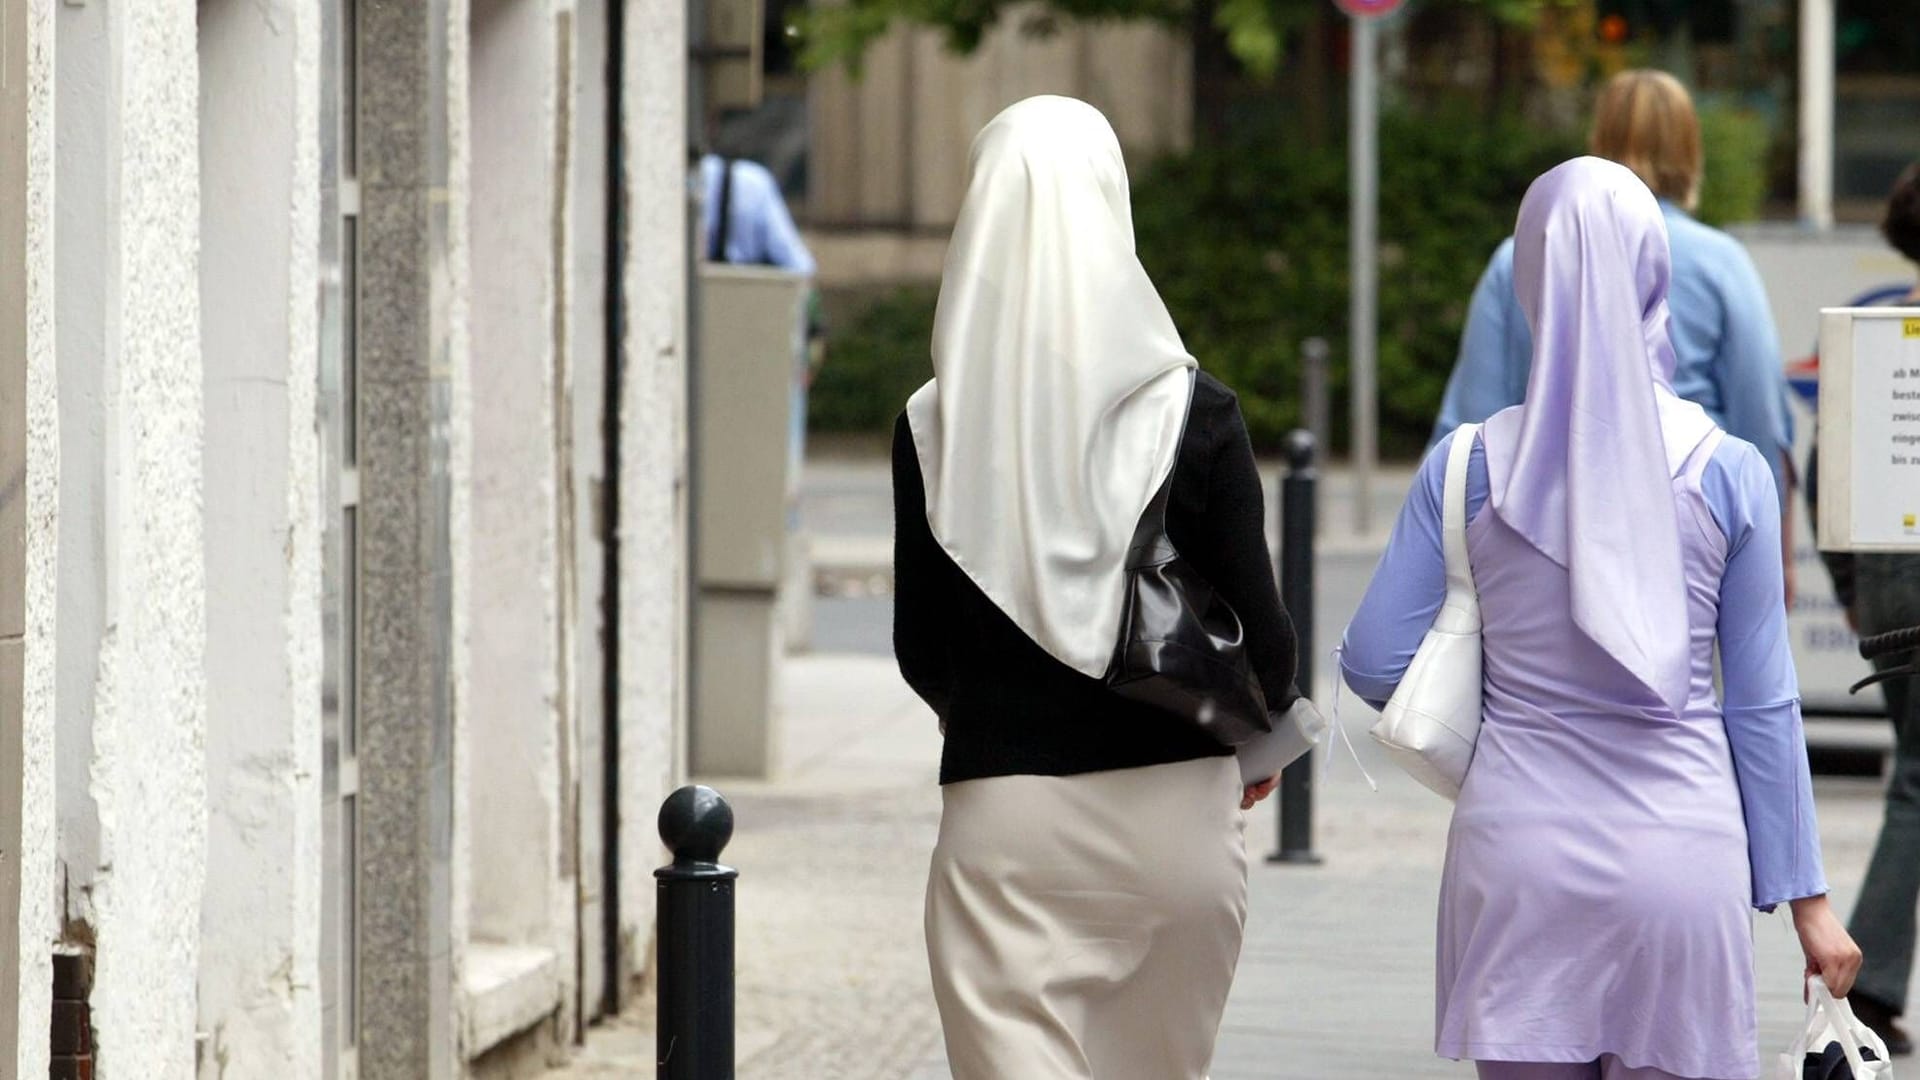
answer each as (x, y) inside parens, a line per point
(1584, 468)
(1060, 384)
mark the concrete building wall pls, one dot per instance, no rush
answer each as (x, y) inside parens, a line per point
(412, 65)
(259, 984)
(592, 637)
(522, 948)
(890, 148)
(653, 455)
(148, 774)
(458, 365)
(38, 926)
(174, 513)
(86, 326)
(513, 719)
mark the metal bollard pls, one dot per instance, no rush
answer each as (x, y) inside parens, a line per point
(1295, 798)
(1315, 359)
(694, 1037)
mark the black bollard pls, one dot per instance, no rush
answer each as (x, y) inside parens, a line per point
(1295, 800)
(694, 1038)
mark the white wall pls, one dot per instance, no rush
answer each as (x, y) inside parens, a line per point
(652, 452)
(459, 252)
(130, 688)
(39, 925)
(148, 772)
(588, 295)
(259, 980)
(514, 718)
(86, 322)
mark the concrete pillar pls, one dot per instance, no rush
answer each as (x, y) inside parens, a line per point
(518, 714)
(131, 649)
(259, 980)
(592, 638)
(653, 454)
(412, 170)
(29, 463)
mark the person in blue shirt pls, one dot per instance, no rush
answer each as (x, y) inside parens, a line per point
(745, 222)
(1723, 330)
(759, 231)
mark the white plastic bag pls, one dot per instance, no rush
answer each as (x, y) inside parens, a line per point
(1830, 1020)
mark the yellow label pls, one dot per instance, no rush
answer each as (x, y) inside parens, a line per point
(1909, 521)
(1910, 328)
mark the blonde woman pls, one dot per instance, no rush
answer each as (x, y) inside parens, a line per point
(1727, 355)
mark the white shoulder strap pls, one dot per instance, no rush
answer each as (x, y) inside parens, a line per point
(1454, 512)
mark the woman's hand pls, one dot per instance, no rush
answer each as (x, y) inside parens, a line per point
(1253, 793)
(1830, 951)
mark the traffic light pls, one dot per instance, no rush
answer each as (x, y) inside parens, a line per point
(1621, 21)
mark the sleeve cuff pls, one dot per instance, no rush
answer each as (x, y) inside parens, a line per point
(1785, 894)
(1375, 690)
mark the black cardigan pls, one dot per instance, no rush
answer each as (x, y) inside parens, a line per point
(1009, 707)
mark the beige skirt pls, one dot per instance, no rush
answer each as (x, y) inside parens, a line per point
(1088, 926)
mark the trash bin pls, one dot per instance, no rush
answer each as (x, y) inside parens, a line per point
(751, 331)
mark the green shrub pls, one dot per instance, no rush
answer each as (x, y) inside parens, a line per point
(871, 367)
(1248, 245)
(1736, 143)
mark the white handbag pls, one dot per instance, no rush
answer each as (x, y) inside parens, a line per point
(1431, 723)
(1830, 1021)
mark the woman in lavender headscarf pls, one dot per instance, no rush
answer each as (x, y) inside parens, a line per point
(1618, 820)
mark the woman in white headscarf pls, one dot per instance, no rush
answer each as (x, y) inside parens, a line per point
(1088, 891)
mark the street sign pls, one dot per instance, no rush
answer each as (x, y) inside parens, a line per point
(1369, 9)
(1870, 429)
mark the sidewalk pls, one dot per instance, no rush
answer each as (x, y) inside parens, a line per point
(1336, 974)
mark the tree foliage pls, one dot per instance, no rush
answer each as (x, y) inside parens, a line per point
(1256, 31)
(1247, 244)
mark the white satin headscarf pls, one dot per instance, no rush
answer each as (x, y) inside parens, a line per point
(1060, 384)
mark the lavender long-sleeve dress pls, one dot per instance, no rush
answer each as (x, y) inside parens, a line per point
(1605, 852)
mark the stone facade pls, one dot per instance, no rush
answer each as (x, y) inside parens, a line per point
(303, 428)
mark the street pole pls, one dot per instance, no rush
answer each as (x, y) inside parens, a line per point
(1816, 112)
(1363, 161)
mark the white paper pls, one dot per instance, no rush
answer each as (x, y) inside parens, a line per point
(1292, 736)
(1886, 431)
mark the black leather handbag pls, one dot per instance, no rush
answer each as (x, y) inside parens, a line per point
(1182, 648)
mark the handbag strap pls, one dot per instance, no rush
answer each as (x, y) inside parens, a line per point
(1150, 546)
(723, 228)
(1453, 513)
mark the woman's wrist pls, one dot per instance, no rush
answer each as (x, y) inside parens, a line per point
(1808, 907)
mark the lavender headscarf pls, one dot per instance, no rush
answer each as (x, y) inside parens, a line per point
(1584, 468)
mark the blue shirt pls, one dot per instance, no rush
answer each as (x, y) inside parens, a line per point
(760, 232)
(1727, 353)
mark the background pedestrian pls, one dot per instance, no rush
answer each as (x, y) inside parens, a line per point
(1727, 352)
